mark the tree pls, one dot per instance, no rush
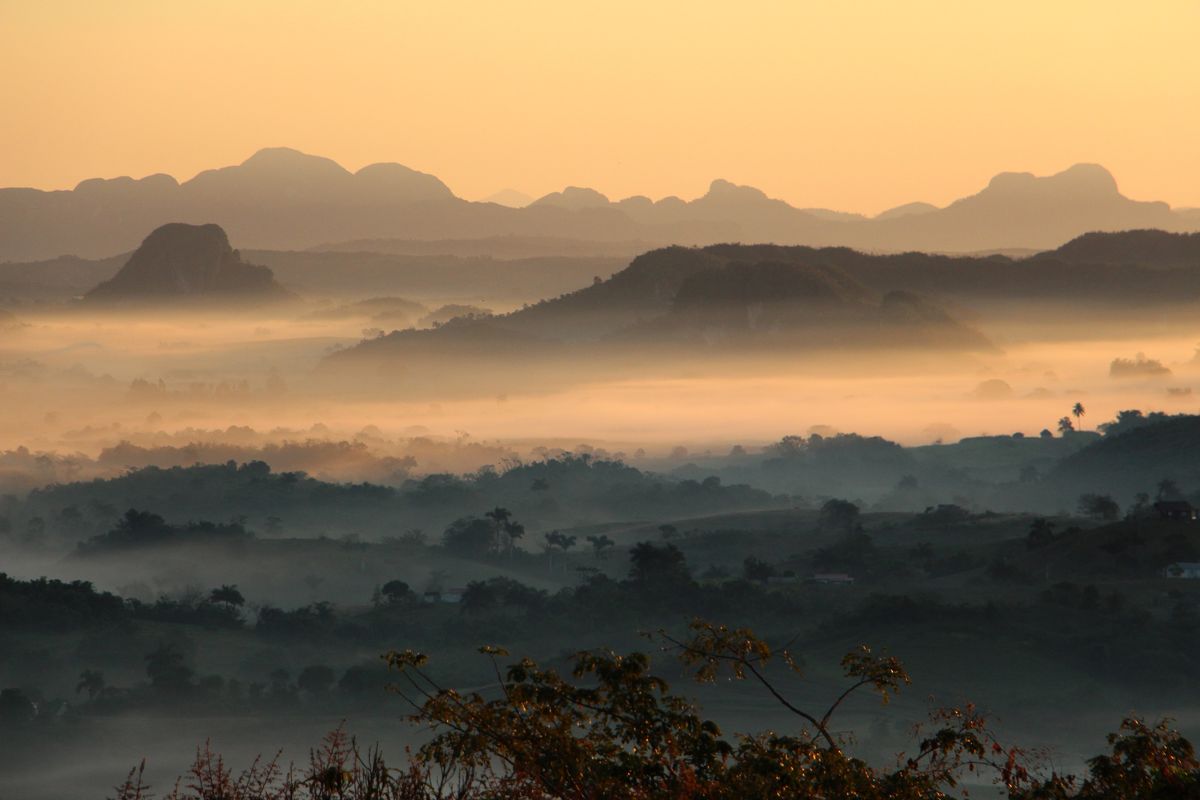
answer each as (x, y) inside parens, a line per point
(479, 596)
(505, 530)
(1065, 427)
(90, 681)
(166, 669)
(1147, 761)
(228, 596)
(316, 680)
(839, 515)
(613, 729)
(601, 544)
(1078, 411)
(662, 565)
(557, 541)
(469, 536)
(754, 569)
(1100, 506)
(397, 592)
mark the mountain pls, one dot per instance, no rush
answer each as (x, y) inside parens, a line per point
(1134, 459)
(1130, 270)
(55, 280)
(906, 210)
(1023, 210)
(277, 198)
(695, 303)
(574, 198)
(1143, 247)
(774, 303)
(283, 199)
(179, 261)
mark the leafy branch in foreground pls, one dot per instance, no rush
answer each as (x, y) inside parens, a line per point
(612, 729)
(615, 730)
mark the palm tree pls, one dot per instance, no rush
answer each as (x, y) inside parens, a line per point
(1078, 410)
(554, 539)
(600, 545)
(228, 596)
(500, 518)
(90, 681)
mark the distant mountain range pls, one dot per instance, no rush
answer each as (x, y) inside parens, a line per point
(282, 199)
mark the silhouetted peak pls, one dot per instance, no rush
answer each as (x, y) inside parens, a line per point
(638, 202)
(907, 210)
(724, 190)
(1155, 247)
(156, 181)
(392, 177)
(1081, 179)
(276, 159)
(1092, 176)
(179, 260)
(574, 197)
(176, 237)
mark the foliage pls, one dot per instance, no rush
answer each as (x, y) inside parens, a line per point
(612, 728)
(840, 515)
(1101, 506)
(143, 529)
(661, 566)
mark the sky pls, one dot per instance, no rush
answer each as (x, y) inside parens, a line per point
(856, 106)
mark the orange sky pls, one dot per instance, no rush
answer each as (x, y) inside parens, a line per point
(850, 105)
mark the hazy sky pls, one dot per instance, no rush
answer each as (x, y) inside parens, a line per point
(850, 105)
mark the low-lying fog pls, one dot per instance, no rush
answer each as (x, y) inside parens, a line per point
(71, 383)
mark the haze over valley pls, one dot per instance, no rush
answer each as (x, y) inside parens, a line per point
(448, 464)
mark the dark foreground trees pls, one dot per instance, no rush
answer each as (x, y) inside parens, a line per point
(612, 729)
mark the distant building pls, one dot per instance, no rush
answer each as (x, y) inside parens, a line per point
(1188, 570)
(1179, 510)
(840, 578)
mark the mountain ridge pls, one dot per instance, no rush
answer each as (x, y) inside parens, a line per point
(283, 199)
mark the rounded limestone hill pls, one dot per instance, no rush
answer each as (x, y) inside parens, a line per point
(188, 262)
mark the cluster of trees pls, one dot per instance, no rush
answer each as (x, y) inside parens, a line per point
(172, 682)
(590, 487)
(138, 529)
(43, 604)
